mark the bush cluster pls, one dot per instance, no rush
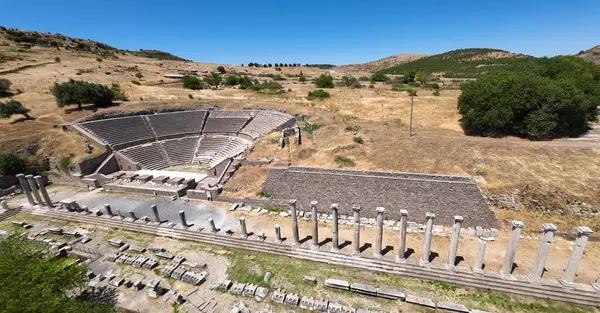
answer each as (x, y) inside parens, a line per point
(547, 98)
(324, 81)
(318, 94)
(80, 92)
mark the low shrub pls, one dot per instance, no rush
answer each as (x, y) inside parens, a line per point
(135, 82)
(324, 81)
(266, 87)
(192, 82)
(352, 128)
(358, 140)
(436, 93)
(371, 86)
(343, 161)
(190, 96)
(318, 94)
(99, 59)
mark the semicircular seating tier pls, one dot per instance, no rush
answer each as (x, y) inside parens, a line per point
(157, 141)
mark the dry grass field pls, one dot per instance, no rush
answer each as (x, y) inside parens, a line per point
(536, 181)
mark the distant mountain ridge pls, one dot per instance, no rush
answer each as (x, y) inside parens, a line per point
(591, 55)
(461, 63)
(59, 41)
(381, 64)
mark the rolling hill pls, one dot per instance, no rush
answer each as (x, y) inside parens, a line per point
(591, 55)
(28, 39)
(381, 64)
(462, 63)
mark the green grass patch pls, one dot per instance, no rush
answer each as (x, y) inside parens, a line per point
(263, 194)
(343, 161)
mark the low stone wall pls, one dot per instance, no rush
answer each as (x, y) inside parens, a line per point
(146, 190)
(88, 166)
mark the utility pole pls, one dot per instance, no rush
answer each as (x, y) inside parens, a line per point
(411, 117)
(382, 115)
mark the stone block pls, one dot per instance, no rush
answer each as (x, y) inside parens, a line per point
(237, 288)
(261, 293)
(390, 293)
(334, 308)
(348, 309)
(478, 231)
(337, 284)
(291, 299)
(452, 307)
(321, 305)
(278, 296)
(363, 289)
(307, 303)
(471, 231)
(493, 232)
(420, 301)
(249, 290)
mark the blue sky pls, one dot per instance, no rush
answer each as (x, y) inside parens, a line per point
(337, 32)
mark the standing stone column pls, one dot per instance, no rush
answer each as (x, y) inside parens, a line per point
(155, 212)
(511, 250)
(278, 233)
(429, 217)
(132, 215)
(108, 210)
(45, 196)
(478, 266)
(379, 236)
(576, 254)
(182, 218)
(119, 214)
(542, 253)
(244, 230)
(25, 188)
(356, 241)
(34, 190)
(402, 239)
(213, 227)
(454, 241)
(294, 215)
(315, 225)
(4, 205)
(335, 239)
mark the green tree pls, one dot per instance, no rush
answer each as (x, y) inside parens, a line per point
(546, 98)
(379, 77)
(80, 92)
(117, 93)
(302, 78)
(192, 82)
(232, 80)
(11, 164)
(13, 107)
(5, 88)
(270, 65)
(34, 281)
(244, 82)
(421, 77)
(213, 79)
(324, 81)
(249, 64)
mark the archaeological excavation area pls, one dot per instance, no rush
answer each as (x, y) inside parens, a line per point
(162, 175)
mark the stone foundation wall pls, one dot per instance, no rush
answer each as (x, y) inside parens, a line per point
(90, 165)
(446, 196)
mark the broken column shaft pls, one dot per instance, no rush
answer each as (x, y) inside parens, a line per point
(278, 233)
(542, 253)
(402, 238)
(429, 217)
(108, 210)
(155, 212)
(511, 250)
(576, 255)
(243, 229)
(379, 235)
(454, 241)
(213, 227)
(315, 225)
(356, 241)
(182, 219)
(34, 190)
(25, 188)
(335, 239)
(478, 266)
(295, 234)
(45, 196)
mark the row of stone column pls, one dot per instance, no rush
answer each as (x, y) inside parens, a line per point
(30, 186)
(509, 257)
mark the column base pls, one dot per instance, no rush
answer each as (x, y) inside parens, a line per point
(335, 249)
(506, 276)
(315, 247)
(356, 253)
(424, 263)
(244, 236)
(400, 260)
(566, 284)
(477, 271)
(279, 241)
(449, 267)
(377, 255)
(596, 286)
(295, 244)
(534, 279)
